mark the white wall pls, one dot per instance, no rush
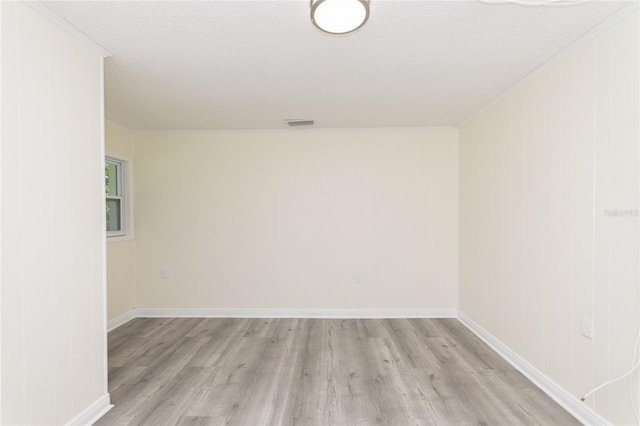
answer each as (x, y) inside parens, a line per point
(538, 170)
(121, 253)
(285, 219)
(53, 353)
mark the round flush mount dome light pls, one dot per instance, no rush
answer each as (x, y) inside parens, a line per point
(339, 16)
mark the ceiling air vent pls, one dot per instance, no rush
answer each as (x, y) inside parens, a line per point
(299, 123)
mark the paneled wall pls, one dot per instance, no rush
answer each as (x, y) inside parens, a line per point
(53, 352)
(548, 218)
(337, 219)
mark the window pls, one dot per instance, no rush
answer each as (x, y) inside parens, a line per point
(114, 189)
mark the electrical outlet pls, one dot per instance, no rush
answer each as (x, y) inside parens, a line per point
(357, 278)
(163, 274)
(587, 327)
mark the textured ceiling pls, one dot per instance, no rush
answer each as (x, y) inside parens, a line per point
(252, 64)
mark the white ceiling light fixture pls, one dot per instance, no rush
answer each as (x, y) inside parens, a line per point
(339, 16)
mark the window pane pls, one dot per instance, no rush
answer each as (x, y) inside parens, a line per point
(111, 178)
(113, 215)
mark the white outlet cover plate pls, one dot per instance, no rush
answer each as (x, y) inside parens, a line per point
(587, 327)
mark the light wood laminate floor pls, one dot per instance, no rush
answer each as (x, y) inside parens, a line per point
(198, 371)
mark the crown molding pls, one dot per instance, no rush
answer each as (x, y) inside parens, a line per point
(41, 8)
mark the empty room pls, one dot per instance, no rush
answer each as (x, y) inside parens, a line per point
(320, 212)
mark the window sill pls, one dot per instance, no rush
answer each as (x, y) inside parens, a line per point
(120, 239)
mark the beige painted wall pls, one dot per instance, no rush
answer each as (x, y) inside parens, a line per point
(286, 219)
(52, 315)
(121, 253)
(539, 169)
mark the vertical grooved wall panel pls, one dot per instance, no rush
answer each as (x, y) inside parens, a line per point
(542, 170)
(52, 314)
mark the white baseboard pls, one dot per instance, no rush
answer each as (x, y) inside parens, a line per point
(278, 313)
(92, 413)
(120, 320)
(296, 313)
(573, 405)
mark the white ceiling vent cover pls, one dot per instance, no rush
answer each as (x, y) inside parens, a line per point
(299, 123)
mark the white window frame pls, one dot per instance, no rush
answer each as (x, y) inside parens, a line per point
(125, 188)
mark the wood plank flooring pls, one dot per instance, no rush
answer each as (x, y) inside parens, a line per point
(315, 372)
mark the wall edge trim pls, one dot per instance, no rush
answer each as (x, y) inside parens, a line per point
(41, 8)
(121, 319)
(93, 412)
(294, 130)
(570, 403)
(582, 40)
(295, 313)
(118, 126)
